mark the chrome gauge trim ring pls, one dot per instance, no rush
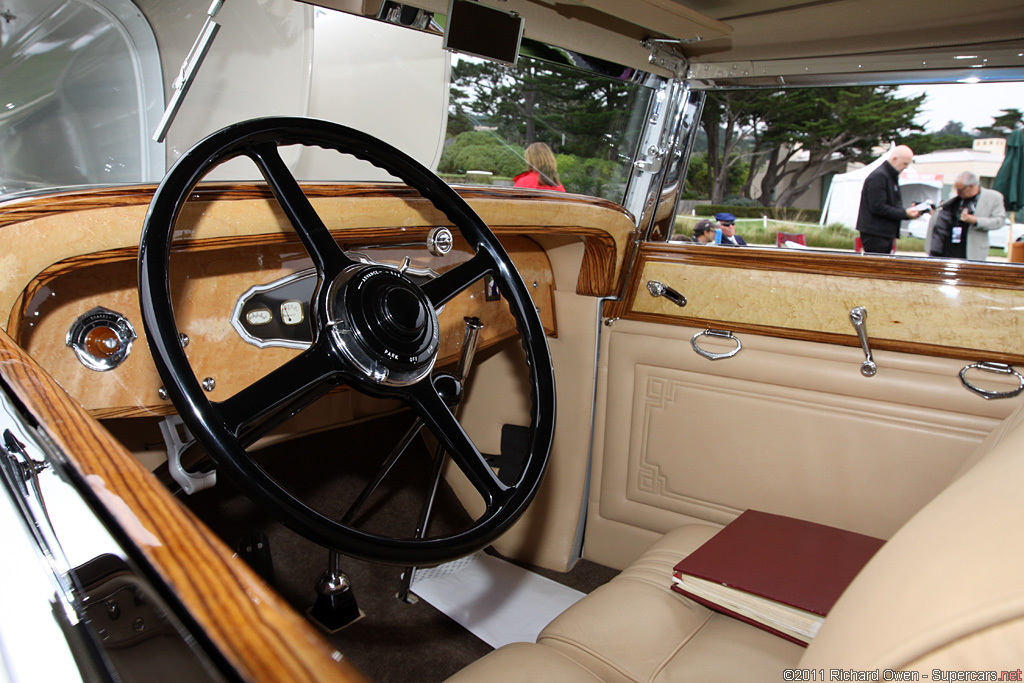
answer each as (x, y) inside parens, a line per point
(118, 338)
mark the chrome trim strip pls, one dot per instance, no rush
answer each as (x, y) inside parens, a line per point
(581, 524)
(358, 257)
(76, 630)
(21, 472)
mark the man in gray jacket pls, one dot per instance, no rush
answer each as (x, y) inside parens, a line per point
(959, 229)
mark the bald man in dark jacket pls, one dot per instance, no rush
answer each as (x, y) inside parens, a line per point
(881, 204)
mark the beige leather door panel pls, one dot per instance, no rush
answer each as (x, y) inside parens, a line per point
(786, 425)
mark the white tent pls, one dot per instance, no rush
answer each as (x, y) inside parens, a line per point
(842, 204)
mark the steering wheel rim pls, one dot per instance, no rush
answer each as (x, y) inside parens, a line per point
(221, 427)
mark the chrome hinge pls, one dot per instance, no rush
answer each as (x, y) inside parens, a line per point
(652, 161)
(664, 53)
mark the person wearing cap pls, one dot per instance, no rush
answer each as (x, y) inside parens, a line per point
(704, 231)
(729, 236)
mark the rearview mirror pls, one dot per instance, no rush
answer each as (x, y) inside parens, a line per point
(483, 31)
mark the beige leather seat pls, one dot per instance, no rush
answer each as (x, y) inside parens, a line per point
(946, 592)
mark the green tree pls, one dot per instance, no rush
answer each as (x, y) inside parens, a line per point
(950, 136)
(572, 111)
(730, 120)
(955, 129)
(697, 178)
(832, 127)
(481, 151)
(458, 122)
(772, 129)
(588, 176)
(764, 106)
(1002, 124)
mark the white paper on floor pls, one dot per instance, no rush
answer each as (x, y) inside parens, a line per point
(497, 601)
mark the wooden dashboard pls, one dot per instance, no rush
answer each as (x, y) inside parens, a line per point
(67, 254)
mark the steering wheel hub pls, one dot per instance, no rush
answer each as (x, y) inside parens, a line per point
(384, 324)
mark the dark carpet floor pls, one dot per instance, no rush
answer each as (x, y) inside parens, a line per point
(395, 641)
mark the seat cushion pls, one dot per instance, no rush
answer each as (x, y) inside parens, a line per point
(945, 592)
(635, 628)
(524, 663)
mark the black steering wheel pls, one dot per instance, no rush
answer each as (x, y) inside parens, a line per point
(374, 330)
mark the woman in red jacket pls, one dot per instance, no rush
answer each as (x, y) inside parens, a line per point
(543, 173)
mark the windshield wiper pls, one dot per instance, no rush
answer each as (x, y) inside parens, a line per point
(189, 69)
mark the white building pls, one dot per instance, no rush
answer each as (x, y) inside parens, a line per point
(984, 159)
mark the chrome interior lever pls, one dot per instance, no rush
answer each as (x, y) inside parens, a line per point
(859, 316)
(657, 289)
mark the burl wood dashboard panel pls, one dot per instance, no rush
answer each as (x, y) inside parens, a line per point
(208, 283)
(935, 307)
(66, 254)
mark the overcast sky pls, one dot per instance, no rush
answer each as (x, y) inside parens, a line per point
(972, 104)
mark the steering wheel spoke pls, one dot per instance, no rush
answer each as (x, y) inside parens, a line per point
(283, 392)
(449, 284)
(436, 414)
(327, 255)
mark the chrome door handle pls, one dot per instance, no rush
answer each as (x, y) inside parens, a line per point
(1000, 368)
(657, 289)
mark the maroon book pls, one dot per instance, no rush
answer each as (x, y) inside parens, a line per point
(788, 561)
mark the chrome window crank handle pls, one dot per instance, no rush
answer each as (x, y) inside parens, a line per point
(859, 316)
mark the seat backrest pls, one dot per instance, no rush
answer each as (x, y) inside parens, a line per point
(946, 591)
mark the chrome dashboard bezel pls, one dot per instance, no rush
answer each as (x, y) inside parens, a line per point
(271, 342)
(90, 320)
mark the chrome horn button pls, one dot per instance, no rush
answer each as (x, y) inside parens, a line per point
(384, 324)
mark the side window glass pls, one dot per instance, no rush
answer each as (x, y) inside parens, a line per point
(81, 86)
(866, 168)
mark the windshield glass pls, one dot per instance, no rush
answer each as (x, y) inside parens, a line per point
(582, 129)
(85, 86)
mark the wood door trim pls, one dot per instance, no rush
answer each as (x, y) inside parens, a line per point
(895, 289)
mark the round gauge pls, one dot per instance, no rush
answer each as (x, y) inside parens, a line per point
(291, 312)
(259, 316)
(101, 338)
